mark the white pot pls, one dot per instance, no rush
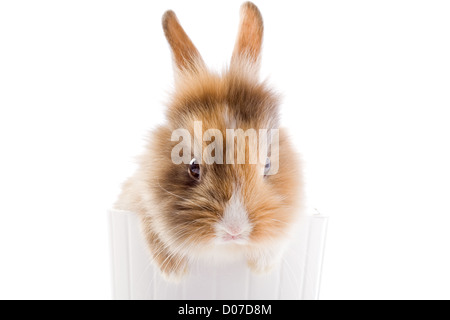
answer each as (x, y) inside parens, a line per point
(135, 277)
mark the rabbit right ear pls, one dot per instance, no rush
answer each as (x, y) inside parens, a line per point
(250, 35)
(185, 54)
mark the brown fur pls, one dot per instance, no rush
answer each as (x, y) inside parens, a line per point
(179, 213)
(184, 51)
(250, 35)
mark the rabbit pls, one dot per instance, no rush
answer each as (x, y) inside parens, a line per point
(195, 210)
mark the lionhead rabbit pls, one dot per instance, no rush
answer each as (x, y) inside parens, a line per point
(203, 209)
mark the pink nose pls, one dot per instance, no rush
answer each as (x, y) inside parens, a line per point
(234, 231)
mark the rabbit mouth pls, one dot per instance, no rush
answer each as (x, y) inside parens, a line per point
(232, 235)
(239, 239)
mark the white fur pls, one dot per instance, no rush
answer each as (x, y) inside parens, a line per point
(235, 222)
(230, 121)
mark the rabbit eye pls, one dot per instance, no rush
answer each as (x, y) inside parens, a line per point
(194, 169)
(267, 167)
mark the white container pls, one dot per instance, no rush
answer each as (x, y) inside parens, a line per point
(135, 277)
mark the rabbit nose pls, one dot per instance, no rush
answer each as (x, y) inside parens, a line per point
(234, 230)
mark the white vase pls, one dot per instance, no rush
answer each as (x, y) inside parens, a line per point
(297, 277)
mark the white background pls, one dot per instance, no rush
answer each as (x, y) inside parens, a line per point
(367, 100)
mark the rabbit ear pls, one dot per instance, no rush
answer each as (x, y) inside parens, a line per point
(185, 54)
(250, 35)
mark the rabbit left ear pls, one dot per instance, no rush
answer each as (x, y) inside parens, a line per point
(250, 35)
(185, 54)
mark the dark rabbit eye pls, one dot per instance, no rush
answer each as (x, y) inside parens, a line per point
(194, 169)
(267, 167)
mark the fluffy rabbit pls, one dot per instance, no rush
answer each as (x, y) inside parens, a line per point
(195, 210)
